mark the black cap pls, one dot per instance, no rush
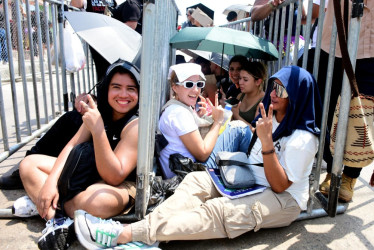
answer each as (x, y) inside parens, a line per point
(231, 15)
(131, 68)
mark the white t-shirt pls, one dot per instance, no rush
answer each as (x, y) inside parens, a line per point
(174, 122)
(296, 155)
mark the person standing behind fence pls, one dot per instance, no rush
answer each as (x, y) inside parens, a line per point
(365, 81)
(112, 126)
(189, 22)
(262, 9)
(3, 46)
(123, 14)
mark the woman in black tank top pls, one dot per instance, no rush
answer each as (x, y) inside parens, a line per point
(112, 126)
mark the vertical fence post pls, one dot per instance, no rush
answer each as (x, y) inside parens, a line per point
(60, 18)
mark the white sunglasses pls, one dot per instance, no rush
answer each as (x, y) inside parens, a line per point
(191, 84)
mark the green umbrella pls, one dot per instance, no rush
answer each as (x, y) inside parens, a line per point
(226, 41)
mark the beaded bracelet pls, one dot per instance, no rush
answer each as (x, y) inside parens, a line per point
(268, 152)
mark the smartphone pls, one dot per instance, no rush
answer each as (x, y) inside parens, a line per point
(197, 105)
(232, 101)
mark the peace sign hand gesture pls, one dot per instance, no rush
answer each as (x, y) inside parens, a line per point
(264, 127)
(217, 110)
(92, 117)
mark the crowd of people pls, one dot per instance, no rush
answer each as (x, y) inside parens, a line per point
(276, 120)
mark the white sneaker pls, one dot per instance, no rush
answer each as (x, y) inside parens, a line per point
(58, 234)
(96, 233)
(24, 207)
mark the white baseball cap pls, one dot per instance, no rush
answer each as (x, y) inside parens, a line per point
(186, 70)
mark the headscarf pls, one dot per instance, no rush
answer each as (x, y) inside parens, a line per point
(304, 110)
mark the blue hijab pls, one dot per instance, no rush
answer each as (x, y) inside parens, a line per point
(304, 110)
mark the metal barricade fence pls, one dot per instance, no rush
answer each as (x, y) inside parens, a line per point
(294, 46)
(33, 84)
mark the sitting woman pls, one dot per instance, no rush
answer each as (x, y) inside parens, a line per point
(235, 65)
(112, 125)
(251, 83)
(286, 145)
(179, 122)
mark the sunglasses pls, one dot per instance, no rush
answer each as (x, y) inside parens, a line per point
(280, 91)
(191, 84)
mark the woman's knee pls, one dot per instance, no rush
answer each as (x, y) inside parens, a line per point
(103, 203)
(26, 166)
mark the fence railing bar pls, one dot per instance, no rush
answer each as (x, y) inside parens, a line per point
(56, 57)
(22, 68)
(41, 59)
(297, 34)
(46, 16)
(11, 74)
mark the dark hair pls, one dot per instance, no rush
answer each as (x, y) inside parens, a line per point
(121, 67)
(256, 69)
(240, 59)
(231, 15)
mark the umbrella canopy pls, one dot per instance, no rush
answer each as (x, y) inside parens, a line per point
(225, 41)
(214, 57)
(108, 36)
(240, 9)
(205, 9)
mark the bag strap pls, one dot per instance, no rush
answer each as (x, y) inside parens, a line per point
(342, 35)
(252, 143)
(314, 26)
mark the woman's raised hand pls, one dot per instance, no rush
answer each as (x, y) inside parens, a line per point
(264, 125)
(217, 110)
(92, 117)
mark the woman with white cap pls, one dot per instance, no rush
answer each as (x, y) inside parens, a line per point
(179, 122)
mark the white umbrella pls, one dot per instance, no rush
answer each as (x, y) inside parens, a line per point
(240, 9)
(108, 36)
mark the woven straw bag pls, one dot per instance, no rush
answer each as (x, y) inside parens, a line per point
(359, 147)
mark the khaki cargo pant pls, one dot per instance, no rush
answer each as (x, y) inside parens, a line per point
(197, 211)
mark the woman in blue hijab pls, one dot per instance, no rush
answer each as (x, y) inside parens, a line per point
(282, 153)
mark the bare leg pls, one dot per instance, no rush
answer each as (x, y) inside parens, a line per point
(100, 200)
(34, 170)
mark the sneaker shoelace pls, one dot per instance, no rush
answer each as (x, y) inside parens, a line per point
(106, 232)
(48, 226)
(52, 223)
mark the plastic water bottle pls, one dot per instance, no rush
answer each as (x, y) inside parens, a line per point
(227, 114)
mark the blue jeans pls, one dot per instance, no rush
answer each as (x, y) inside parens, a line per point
(235, 138)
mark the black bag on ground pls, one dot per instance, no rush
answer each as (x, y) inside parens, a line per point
(78, 173)
(182, 165)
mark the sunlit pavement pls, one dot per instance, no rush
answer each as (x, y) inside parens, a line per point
(352, 230)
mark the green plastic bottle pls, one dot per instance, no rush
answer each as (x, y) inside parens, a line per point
(227, 114)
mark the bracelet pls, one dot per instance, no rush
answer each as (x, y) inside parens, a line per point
(268, 152)
(271, 4)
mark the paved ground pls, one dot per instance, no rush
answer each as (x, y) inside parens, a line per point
(352, 230)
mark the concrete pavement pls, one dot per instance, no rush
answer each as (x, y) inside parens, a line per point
(352, 230)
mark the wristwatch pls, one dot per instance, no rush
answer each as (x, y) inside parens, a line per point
(271, 4)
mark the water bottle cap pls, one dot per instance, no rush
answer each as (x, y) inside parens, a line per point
(228, 106)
